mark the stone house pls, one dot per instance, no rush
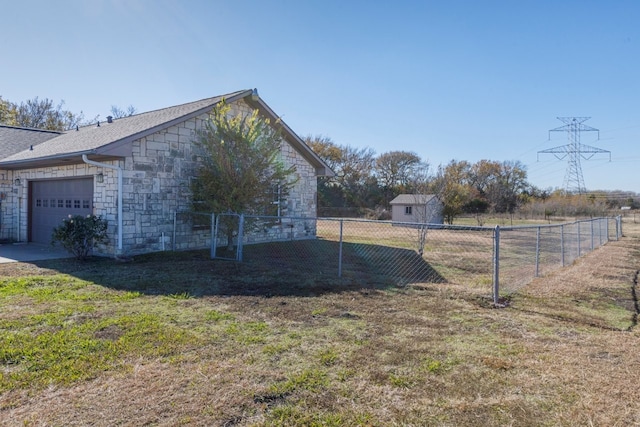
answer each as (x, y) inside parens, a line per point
(417, 208)
(133, 171)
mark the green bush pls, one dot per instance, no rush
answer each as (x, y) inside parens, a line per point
(79, 234)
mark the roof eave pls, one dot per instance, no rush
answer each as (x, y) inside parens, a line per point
(56, 160)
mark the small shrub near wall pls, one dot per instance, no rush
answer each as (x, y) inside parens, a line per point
(79, 234)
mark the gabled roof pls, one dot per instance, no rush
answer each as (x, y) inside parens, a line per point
(16, 139)
(113, 140)
(412, 199)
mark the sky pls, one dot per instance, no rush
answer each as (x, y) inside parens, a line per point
(448, 80)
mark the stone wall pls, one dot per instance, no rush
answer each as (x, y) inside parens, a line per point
(156, 186)
(8, 207)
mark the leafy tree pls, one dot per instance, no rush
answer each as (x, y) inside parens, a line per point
(39, 114)
(502, 186)
(451, 186)
(7, 112)
(462, 187)
(508, 189)
(482, 176)
(242, 165)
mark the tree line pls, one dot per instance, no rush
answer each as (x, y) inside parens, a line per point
(365, 182)
(46, 114)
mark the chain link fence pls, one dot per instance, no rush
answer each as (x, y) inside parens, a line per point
(498, 260)
(531, 251)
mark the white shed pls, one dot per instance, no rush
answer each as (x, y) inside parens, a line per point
(420, 208)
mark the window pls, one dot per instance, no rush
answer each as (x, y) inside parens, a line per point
(38, 203)
(53, 203)
(86, 204)
(67, 203)
(76, 204)
(408, 210)
(60, 203)
(45, 203)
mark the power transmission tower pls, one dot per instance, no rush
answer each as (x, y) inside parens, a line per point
(574, 151)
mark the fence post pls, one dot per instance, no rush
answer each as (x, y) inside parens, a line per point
(496, 264)
(340, 251)
(562, 244)
(240, 238)
(537, 252)
(619, 225)
(214, 236)
(600, 230)
(578, 224)
(591, 225)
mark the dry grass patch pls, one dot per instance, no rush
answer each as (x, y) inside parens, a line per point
(178, 339)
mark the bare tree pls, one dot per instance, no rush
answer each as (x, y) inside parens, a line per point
(399, 172)
(118, 113)
(396, 168)
(354, 180)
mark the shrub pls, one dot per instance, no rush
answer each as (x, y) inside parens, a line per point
(79, 234)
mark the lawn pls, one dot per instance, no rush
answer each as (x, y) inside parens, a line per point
(178, 339)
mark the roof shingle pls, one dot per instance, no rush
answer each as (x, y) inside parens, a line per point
(412, 199)
(16, 139)
(89, 138)
(111, 140)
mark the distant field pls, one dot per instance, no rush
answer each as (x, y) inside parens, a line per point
(178, 339)
(492, 221)
(457, 254)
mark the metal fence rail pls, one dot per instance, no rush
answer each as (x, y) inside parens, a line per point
(532, 251)
(384, 252)
(410, 253)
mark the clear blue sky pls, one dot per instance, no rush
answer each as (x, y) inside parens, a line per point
(464, 80)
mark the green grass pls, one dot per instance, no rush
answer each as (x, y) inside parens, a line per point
(62, 347)
(178, 339)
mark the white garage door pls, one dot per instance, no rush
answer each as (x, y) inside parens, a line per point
(52, 201)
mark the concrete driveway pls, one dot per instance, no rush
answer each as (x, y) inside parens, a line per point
(19, 252)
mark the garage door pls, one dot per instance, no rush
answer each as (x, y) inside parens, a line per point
(52, 201)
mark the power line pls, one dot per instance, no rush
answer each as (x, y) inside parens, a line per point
(574, 151)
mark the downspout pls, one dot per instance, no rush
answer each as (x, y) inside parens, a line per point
(119, 170)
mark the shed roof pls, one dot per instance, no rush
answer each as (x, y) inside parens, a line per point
(412, 199)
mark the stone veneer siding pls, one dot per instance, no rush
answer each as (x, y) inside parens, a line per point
(8, 207)
(156, 186)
